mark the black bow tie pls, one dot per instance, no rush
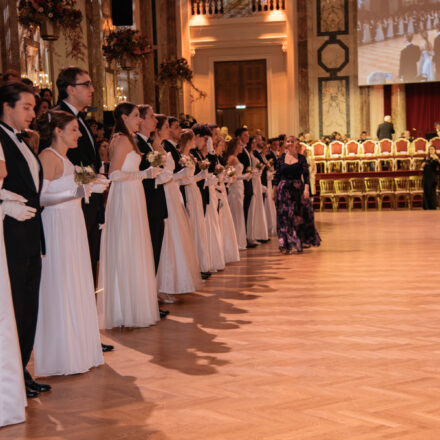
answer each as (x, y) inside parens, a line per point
(21, 136)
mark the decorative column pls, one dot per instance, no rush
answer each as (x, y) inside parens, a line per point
(398, 108)
(376, 109)
(10, 54)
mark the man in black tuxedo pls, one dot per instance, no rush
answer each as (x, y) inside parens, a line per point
(409, 57)
(171, 145)
(24, 241)
(435, 133)
(386, 129)
(245, 158)
(75, 91)
(274, 149)
(436, 57)
(155, 194)
(156, 201)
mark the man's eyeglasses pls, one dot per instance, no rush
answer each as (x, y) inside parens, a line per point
(86, 83)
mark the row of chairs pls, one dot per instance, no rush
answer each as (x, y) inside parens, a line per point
(368, 189)
(384, 155)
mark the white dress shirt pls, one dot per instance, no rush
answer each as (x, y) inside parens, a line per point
(34, 166)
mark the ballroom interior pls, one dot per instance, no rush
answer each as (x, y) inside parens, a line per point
(339, 342)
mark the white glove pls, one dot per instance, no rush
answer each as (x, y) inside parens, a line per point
(211, 180)
(184, 172)
(264, 189)
(18, 211)
(152, 172)
(210, 146)
(100, 184)
(200, 176)
(120, 176)
(164, 177)
(55, 198)
(9, 195)
(247, 176)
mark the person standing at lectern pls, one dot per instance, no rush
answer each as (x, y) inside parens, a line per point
(386, 129)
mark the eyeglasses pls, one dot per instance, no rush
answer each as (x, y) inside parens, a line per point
(86, 83)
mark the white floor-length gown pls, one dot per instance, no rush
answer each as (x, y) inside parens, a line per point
(127, 271)
(212, 221)
(178, 270)
(269, 206)
(426, 66)
(256, 221)
(67, 339)
(366, 34)
(379, 33)
(235, 199)
(194, 208)
(12, 392)
(227, 228)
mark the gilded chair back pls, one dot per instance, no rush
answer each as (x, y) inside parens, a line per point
(336, 149)
(386, 147)
(386, 184)
(369, 148)
(319, 150)
(326, 186)
(436, 143)
(357, 185)
(402, 146)
(401, 184)
(372, 184)
(420, 146)
(352, 148)
(342, 186)
(415, 183)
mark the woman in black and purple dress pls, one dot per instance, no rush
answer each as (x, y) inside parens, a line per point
(295, 221)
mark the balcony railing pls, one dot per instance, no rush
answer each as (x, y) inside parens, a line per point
(220, 7)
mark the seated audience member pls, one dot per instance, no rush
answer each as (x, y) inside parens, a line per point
(363, 137)
(435, 133)
(42, 107)
(406, 135)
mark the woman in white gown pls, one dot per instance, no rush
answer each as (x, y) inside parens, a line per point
(127, 271)
(67, 339)
(12, 391)
(178, 270)
(256, 222)
(379, 32)
(227, 228)
(194, 204)
(236, 191)
(269, 205)
(426, 66)
(366, 33)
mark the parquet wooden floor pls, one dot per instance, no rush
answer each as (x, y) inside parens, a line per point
(339, 343)
(384, 56)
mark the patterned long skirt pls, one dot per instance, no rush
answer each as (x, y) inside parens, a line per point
(295, 219)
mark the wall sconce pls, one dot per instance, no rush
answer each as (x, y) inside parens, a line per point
(192, 52)
(284, 47)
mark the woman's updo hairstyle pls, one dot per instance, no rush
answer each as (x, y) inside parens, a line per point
(124, 108)
(47, 123)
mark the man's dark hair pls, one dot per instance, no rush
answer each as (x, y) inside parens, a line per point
(212, 126)
(10, 93)
(172, 120)
(10, 74)
(43, 91)
(363, 132)
(66, 78)
(28, 82)
(201, 130)
(143, 109)
(240, 131)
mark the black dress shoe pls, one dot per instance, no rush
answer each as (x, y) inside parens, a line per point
(251, 245)
(163, 313)
(264, 241)
(30, 393)
(106, 348)
(205, 275)
(38, 387)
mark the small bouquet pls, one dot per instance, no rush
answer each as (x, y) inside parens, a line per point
(186, 161)
(84, 175)
(204, 164)
(219, 168)
(249, 170)
(260, 166)
(230, 171)
(270, 163)
(156, 159)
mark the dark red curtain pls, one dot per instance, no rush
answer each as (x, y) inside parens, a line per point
(422, 107)
(387, 99)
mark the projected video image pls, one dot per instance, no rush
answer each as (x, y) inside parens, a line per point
(398, 41)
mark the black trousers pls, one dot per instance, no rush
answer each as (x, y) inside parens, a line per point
(248, 193)
(430, 196)
(25, 275)
(157, 227)
(92, 214)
